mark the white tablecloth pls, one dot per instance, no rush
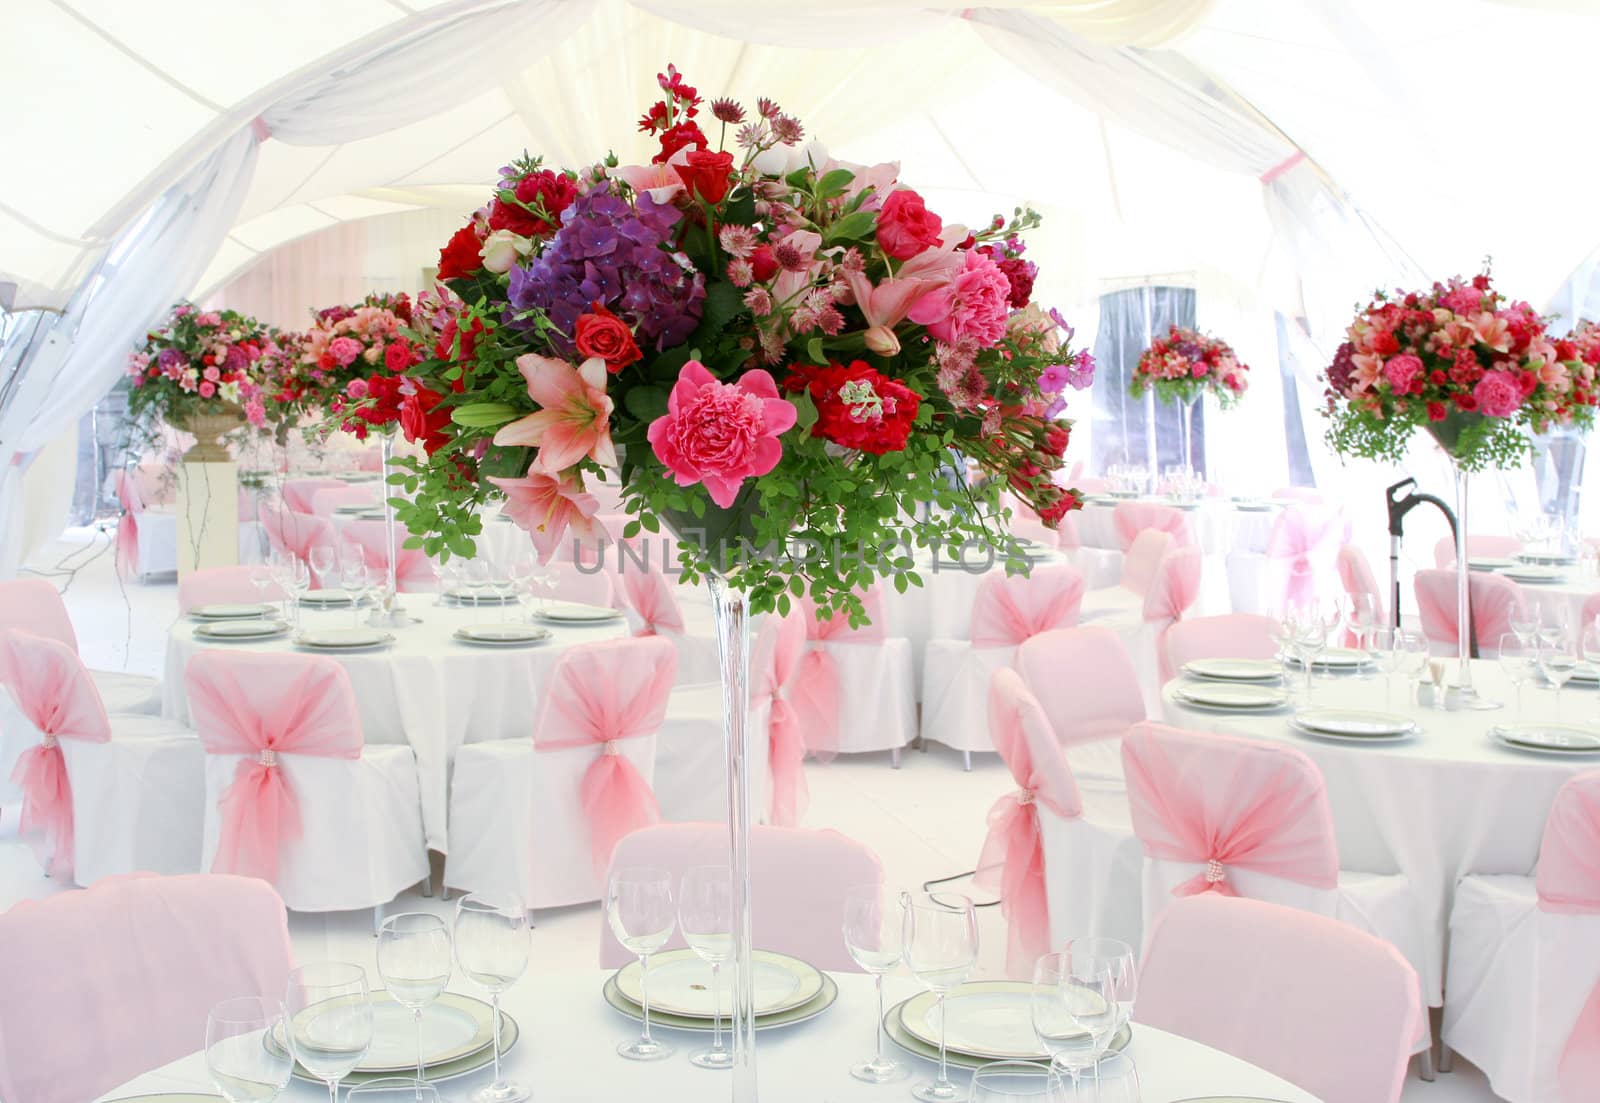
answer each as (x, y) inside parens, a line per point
(1445, 803)
(426, 689)
(1558, 602)
(1218, 526)
(567, 1052)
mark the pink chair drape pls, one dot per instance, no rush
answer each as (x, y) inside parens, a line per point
(1486, 545)
(53, 690)
(1228, 636)
(369, 459)
(35, 606)
(329, 499)
(1355, 575)
(1172, 592)
(297, 493)
(774, 662)
(1495, 602)
(1227, 803)
(263, 705)
(1568, 874)
(599, 694)
(1009, 609)
(293, 533)
(815, 692)
(1132, 518)
(590, 586)
(1012, 860)
(1299, 538)
(1579, 1070)
(132, 503)
(1085, 680)
(223, 585)
(1067, 536)
(1307, 494)
(650, 595)
(413, 572)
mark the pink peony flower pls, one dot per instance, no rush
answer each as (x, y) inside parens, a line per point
(574, 419)
(720, 434)
(344, 350)
(973, 304)
(1497, 394)
(547, 503)
(1402, 371)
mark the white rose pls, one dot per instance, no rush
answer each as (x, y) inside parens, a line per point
(502, 248)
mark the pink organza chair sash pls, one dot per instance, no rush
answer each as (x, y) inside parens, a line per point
(262, 706)
(598, 695)
(1226, 636)
(297, 493)
(54, 691)
(1173, 591)
(413, 572)
(815, 691)
(1579, 1069)
(1101, 699)
(223, 585)
(132, 503)
(1012, 860)
(1132, 518)
(35, 606)
(1140, 561)
(328, 500)
(1067, 535)
(1568, 875)
(650, 596)
(1495, 602)
(1228, 803)
(296, 534)
(1011, 609)
(1484, 544)
(1355, 575)
(1299, 537)
(778, 654)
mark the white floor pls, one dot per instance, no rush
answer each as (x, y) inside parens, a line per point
(926, 820)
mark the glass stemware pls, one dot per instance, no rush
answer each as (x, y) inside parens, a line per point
(874, 922)
(328, 1019)
(639, 910)
(324, 564)
(299, 585)
(353, 581)
(261, 579)
(941, 947)
(414, 961)
(1519, 662)
(385, 1090)
(1311, 636)
(244, 1058)
(491, 940)
(1018, 1082)
(1113, 1080)
(475, 576)
(1075, 1009)
(705, 916)
(1557, 663)
(1414, 651)
(1384, 645)
(1525, 622)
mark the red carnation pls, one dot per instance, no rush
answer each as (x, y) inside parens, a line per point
(1436, 411)
(705, 174)
(1019, 274)
(540, 198)
(607, 336)
(857, 407)
(461, 255)
(679, 137)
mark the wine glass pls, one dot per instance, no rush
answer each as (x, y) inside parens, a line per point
(475, 576)
(1525, 622)
(299, 577)
(1075, 1009)
(639, 909)
(491, 939)
(1122, 967)
(1113, 1080)
(941, 947)
(354, 579)
(261, 579)
(1384, 645)
(1311, 636)
(874, 922)
(325, 564)
(328, 1018)
(1414, 649)
(414, 962)
(1017, 1082)
(244, 1054)
(705, 916)
(1519, 661)
(524, 569)
(1557, 663)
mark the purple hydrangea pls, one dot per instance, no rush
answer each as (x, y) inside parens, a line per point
(169, 359)
(615, 253)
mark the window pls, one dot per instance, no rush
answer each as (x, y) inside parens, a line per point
(1144, 430)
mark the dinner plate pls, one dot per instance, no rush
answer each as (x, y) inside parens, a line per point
(1547, 559)
(1488, 563)
(1585, 674)
(1228, 1099)
(342, 639)
(1234, 670)
(1339, 658)
(502, 635)
(680, 982)
(986, 1018)
(1186, 506)
(1566, 739)
(564, 612)
(453, 1026)
(510, 1032)
(494, 594)
(231, 611)
(1016, 1036)
(325, 597)
(1363, 725)
(1238, 696)
(241, 629)
(352, 510)
(805, 1012)
(1254, 507)
(358, 477)
(1534, 575)
(167, 1097)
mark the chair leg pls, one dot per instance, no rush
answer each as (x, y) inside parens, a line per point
(1447, 1058)
(377, 920)
(894, 758)
(1425, 1064)
(966, 760)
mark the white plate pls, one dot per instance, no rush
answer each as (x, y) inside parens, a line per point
(1534, 575)
(241, 629)
(1488, 563)
(983, 1018)
(680, 982)
(1220, 695)
(342, 639)
(1361, 724)
(1234, 670)
(358, 477)
(1547, 559)
(572, 613)
(1254, 507)
(325, 597)
(1339, 658)
(497, 594)
(454, 1027)
(503, 635)
(1548, 738)
(352, 510)
(230, 611)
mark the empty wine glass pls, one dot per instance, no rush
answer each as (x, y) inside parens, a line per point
(1311, 636)
(1414, 649)
(491, 940)
(325, 565)
(1384, 645)
(1018, 1082)
(705, 916)
(1120, 964)
(354, 579)
(414, 962)
(299, 586)
(1557, 663)
(475, 576)
(874, 922)
(1525, 622)
(384, 1090)
(941, 947)
(639, 909)
(524, 568)
(261, 579)
(245, 1057)
(328, 1018)
(1519, 661)
(1075, 1009)
(1113, 1080)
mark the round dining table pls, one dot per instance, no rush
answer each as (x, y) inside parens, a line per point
(1447, 801)
(566, 1051)
(1561, 600)
(426, 688)
(1218, 525)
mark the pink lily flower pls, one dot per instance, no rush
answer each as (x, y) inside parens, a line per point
(547, 503)
(660, 182)
(884, 305)
(575, 416)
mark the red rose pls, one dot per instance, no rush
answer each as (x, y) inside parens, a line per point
(1466, 401)
(1051, 513)
(1527, 382)
(763, 263)
(705, 174)
(1385, 343)
(422, 418)
(461, 255)
(1056, 439)
(1436, 411)
(905, 225)
(397, 356)
(607, 336)
(679, 137)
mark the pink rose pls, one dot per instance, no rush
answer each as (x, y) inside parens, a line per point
(906, 227)
(209, 318)
(1497, 394)
(344, 350)
(720, 434)
(1401, 371)
(207, 389)
(973, 304)
(357, 389)
(213, 373)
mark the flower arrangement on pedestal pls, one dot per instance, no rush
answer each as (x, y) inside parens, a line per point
(1185, 364)
(354, 357)
(199, 372)
(765, 344)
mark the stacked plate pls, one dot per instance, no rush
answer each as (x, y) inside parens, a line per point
(1339, 658)
(353, 510)
(343, 639)
(496, 593)
(358, 477)
(1557, 739)
(325, 599)
(239, 611)
(457, 1039)
(1254, 505)
(1353, 725)
(1234, 670)
(567, 612)
(787, 991)
(1546, 559)
(1230, 697)
(240, 631)
(1488, 563)
(985, 1021)
(502, 635)
(1534, 574)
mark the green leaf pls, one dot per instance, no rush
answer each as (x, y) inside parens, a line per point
(851, 227)
(833, 183)
(723, 303)
(483, 415)
(799, 178)
(807, 410)
(815, 351)
(504, 463)
(646, 402)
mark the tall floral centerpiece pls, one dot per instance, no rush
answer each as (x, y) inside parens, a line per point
(1182, 367)
(775, 352)
(199, 373)
(1478, 372)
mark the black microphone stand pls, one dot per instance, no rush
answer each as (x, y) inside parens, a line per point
(1398, 508)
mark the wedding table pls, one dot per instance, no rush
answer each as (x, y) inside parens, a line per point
(567, 1052)
(1448, 801)
(1218, 525)
(425, 689)
(1559, 602)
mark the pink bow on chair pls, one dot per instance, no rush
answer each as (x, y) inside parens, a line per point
(1011, 609)
(1296, 537)
(132, 502)
(263, 706)
(1172, 592)
(650, 596)
(53, 690)
(1227, 803)
(1132, 518)
(1568, 873)
(779, 651)
(601, 694)
(1012, 859)
(815, 692)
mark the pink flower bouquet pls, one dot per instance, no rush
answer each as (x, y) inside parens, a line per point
(1185, 364)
